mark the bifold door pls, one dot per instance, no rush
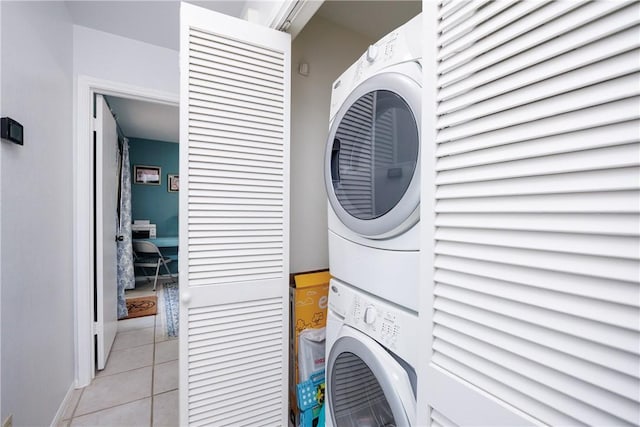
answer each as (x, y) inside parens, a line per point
(534, 294)
(234, 221)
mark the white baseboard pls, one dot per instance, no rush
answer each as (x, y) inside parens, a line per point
(63, 406)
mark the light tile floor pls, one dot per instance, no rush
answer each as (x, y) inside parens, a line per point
(139, 385)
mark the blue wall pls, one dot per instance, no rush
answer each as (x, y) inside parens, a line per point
(154, 202)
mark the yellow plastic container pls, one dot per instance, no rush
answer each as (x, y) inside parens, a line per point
(308, 301)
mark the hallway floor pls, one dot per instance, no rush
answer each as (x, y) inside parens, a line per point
(139, 385)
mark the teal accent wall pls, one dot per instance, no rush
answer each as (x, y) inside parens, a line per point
(154, 202)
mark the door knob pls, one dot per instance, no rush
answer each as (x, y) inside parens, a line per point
(185, 297)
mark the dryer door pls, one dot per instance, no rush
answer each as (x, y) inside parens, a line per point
(371, 161)
(366, 386)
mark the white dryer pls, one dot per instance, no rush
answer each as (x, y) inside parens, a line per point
(372, 168)
(371, 357)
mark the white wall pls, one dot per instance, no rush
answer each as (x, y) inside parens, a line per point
(119, 59)
(329, 50)
(36, 212)
(42, 54)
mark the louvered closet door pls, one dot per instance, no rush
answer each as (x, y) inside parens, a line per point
(533, 298)
(234, 221)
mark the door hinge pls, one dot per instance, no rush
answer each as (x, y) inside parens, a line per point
(95, 328)
(94, 124)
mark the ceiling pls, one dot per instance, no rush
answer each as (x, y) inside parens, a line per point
(157, 23)
(154, 22)
(146, 120)
(374, 19)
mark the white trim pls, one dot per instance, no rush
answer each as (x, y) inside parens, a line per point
(183, 224)
(62, 409)
(293, 15)
(83, 209)
(282, 16)
(183, 208)
(427, 205)
(1, 227)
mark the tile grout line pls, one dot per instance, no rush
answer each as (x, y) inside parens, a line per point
(133, 346)
(74, 415)
(128, 370)
(108, 407)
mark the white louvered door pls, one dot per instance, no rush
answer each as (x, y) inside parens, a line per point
(531, 291)
(234, 221)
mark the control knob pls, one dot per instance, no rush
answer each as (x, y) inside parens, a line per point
(370, 315)
(372, 53)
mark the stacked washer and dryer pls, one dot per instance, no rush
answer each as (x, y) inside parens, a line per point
(372, 176)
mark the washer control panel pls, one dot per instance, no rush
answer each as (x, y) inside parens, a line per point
(375, 319)
(392, 326)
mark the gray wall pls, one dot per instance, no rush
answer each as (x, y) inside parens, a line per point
(119, 59)
(329, 50)
(36, 210)
(42, 55)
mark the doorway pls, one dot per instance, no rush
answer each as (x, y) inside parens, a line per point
(84, 238)
(146, 228)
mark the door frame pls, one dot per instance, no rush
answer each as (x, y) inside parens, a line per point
(83, 193)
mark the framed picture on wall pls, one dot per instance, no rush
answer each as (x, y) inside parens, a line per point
(173, 183)
(146, 174)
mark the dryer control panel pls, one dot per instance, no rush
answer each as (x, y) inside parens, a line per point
(401, 45)
(394, 327)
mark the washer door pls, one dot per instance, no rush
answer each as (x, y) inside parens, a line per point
(371, 161)
(366, 386)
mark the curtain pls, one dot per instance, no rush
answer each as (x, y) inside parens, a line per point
(126, 277)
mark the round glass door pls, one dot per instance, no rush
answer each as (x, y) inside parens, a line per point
(365, 385)
(358, 399)
(372, 155)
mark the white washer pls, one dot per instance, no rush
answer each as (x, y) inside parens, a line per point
(371, 357)
(372, 168)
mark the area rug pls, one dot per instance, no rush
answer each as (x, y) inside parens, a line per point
(142, 306)
(170, 315)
